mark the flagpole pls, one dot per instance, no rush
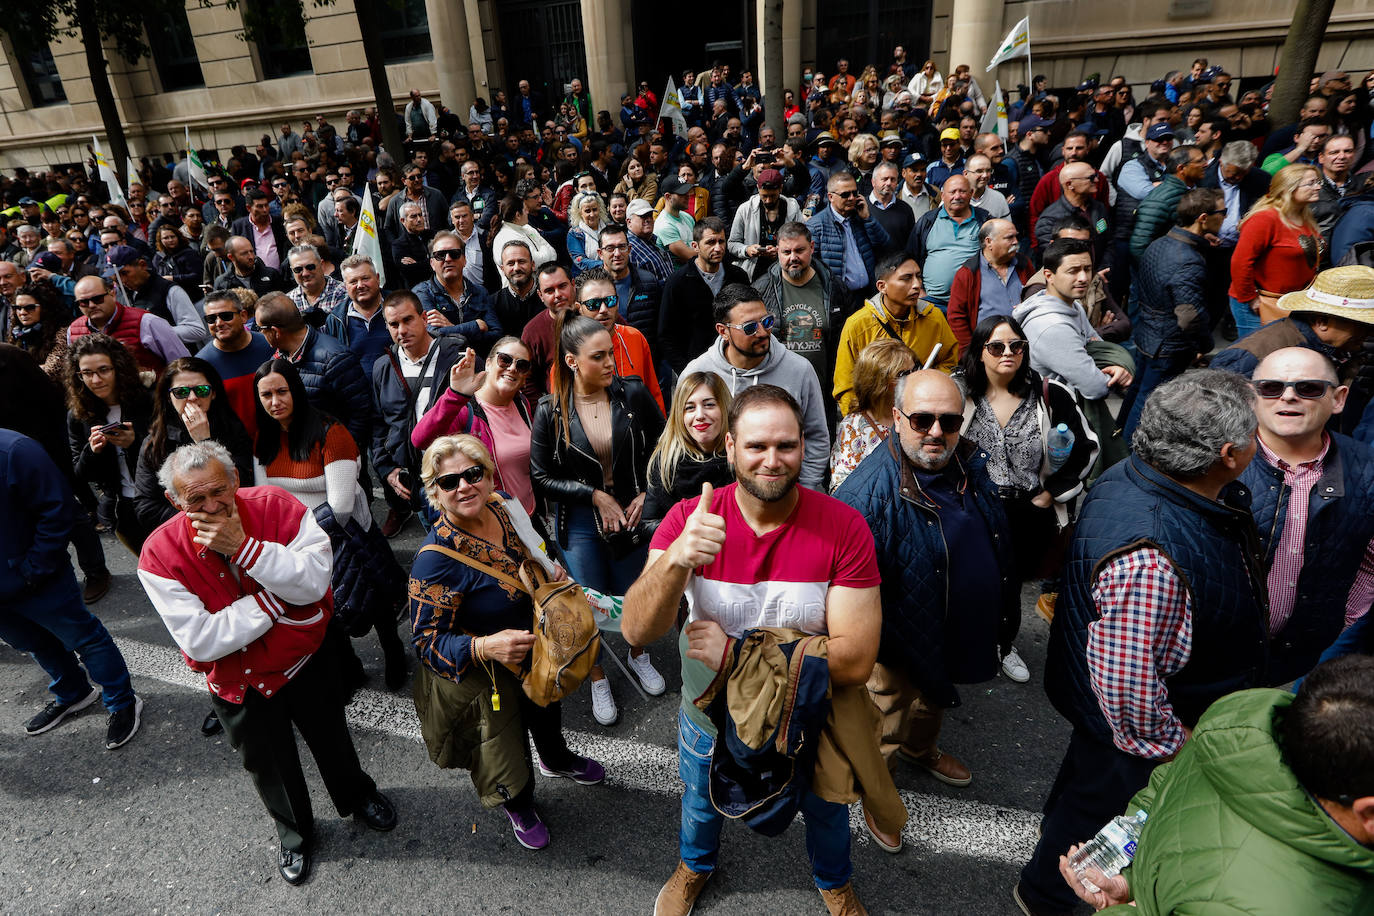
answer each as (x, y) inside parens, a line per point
(1030, 72)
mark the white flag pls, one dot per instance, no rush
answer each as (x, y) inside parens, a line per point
(107, 175)
(995, 121)
(671, 108)
(131, 176)
(194, 165)
(1016, 44)
(366, 240)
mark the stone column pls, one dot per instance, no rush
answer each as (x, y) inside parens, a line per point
(975, 30)
(603, 34)
(791, 55)
(477, 48)
(770, 70)
(448, 27)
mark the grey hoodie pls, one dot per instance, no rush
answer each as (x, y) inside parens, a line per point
(1058, 333)
(793, 374)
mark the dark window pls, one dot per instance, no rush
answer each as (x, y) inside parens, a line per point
(40, 75)
(174, 50)
(405, 31)
(867, 31)
(282, 48)
(542, 43)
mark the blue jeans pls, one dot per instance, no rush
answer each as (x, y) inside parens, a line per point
(1151, 372)
(590, 563)
(54, 626)
(827, 823)
(1246, 320)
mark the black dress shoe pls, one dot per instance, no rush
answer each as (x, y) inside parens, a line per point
(377, 812)
(211, 726)
(294, 866)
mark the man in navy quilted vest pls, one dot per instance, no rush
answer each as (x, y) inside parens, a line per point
(240, 578)
(1162, 611)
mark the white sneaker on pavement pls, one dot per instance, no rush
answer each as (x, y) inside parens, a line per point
(648, 675)
(603, 703)
(1014, 667)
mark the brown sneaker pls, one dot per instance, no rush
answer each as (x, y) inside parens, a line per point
(843, 901)
(947, 768)
(886, 842)
(680, 894)
(1044, 605)
(96, 586)
(395, 521)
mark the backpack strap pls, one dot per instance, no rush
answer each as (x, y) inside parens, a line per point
(477, 565)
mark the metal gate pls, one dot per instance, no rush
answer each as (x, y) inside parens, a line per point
(542, 43)
(866, 31)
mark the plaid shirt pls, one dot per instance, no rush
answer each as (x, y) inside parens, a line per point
(1144, 634)
(648, 257)
(1288, 554)
(334, 293)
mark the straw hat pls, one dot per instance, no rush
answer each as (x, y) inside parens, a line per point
(1346, 292)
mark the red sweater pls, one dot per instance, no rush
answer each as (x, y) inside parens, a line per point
(1269, 257)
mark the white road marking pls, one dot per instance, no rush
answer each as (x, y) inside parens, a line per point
(936, 824)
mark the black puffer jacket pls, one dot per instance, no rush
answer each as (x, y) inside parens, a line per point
(335, 383)
(567, 473)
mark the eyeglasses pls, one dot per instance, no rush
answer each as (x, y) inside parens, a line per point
(90, 300)
(922, 422)
(212, 317)
(1311, 184)
(615, 248)
(305, 268)
(266, 328)
(506, 361)
(1308, 388)
(750, 328)
(998, 347)
(97, 372)
(600, 302)
(449, 482)
(25, 309)
(446, 254)
(182, 392)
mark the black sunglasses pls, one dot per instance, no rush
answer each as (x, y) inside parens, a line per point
(998, 347)
(505, 361)
(212, 317)
(1308, 388)
(447, 254)
(600, 302)
(449, 482)
(922, 422)
(304, 268)
(25, 308)
(845, 195)
(182, 392)
(90, 300)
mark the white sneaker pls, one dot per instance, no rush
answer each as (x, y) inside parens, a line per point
(648, 675)
(1015, 668)
(603, 703)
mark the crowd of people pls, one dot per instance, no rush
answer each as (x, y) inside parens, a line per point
(823, 388)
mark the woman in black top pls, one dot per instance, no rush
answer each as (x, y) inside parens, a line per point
(691, 450)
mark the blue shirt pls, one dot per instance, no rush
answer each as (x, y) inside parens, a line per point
(996, 296)
(939, 171)
(948, 246)
(1134, 180)
(367, 338)
(855, 270)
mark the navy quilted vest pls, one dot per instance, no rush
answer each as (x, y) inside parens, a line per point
(1212, 546)
(1340, 524)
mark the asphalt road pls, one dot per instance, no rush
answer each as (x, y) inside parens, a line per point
(170, 822)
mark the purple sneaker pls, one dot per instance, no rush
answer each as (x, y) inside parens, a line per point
(530, 831)
(585, 772)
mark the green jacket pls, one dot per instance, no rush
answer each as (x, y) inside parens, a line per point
(1154, 216)
(1232, 832)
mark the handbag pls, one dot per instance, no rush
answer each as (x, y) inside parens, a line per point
(620, 544)
(566, 640)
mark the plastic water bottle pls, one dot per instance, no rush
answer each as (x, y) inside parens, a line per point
(1111, 850)
(1060, 445)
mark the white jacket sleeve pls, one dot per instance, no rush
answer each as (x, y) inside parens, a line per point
(189, 324)
(298, 572)
(203, 636)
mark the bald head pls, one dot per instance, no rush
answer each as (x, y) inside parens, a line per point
(1288, 422)
(924, 385)
(1073, 171)
(934, 404)
(1288, 360)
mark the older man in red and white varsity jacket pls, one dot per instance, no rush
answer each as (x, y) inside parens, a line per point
(241, 580)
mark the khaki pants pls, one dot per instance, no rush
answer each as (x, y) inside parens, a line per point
(909, 722)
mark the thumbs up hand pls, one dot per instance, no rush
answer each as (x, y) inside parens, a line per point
(702, 537)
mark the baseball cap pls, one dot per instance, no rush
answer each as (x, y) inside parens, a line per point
(638, 207)
(1034, 122)
(1159, 132)
(27, 202)
(1087, 84)
(48, 261)
(826, 138)
(1330, 75)
(893, 140)
(124, 256)
(674, 185)
(949, 133)
(1092, 130)
(913, 159)
(770, 178)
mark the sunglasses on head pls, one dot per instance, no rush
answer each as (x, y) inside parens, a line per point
(1309, 388)
(182, 392)
(922, 422)
(449, 482)
(212, 317)
(505, 361)
(600, 302)
(998, 347)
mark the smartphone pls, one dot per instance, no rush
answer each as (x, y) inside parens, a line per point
(112, 428)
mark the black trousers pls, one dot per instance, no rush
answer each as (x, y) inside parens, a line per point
(1094, 785)
(260, 730)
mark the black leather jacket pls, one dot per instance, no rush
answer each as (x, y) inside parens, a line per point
(568, 473)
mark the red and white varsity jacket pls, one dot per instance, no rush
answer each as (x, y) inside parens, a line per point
(250, 621)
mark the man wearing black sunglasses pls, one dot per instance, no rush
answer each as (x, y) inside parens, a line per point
(1313, 503)
(235, 352)
(944, 554)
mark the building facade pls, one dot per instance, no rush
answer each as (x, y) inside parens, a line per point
(203, 76)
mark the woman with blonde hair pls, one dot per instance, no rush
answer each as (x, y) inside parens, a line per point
(1279, 248)
(925, 84)
(691, 451)
(586, 219)
(864, 154)
(468, 625)
(866, 427)
(637, 182)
